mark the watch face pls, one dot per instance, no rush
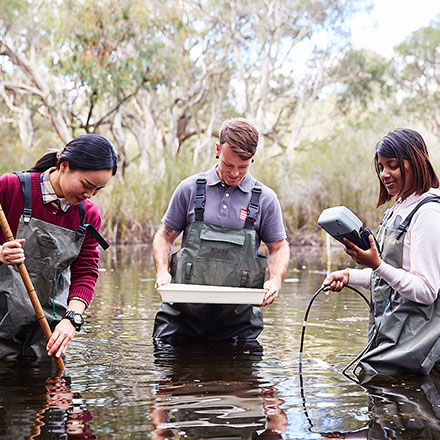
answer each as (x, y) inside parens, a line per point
(77, 318)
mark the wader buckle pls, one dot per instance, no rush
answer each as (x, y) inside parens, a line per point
(253, 208)
(253, 211)
(27, 215)
(80, 232)
(199, 204)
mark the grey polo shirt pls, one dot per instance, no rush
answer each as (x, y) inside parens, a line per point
(226, 206)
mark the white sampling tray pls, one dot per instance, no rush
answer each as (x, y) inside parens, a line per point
(195, 293)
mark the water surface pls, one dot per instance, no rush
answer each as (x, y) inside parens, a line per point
(119, 385)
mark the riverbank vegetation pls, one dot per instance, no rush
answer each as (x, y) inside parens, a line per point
(158, 78)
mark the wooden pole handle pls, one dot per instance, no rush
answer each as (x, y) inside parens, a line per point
(47, 332)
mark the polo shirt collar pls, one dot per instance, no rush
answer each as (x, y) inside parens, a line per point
(245, 185)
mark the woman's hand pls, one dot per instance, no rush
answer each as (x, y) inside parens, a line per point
(64, 331)
(11, 252)
(336, 280)
(61, 338)
(369, 258)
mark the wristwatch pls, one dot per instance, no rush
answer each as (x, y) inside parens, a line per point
(75, 318)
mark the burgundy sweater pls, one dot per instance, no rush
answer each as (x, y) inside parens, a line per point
(84, 270)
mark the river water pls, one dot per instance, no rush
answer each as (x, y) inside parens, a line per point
(118, 385)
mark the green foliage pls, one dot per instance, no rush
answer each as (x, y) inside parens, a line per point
(419, 75)
(13, 10)
(422, 46)
(362, 75)
(334, 169)
(12, 149)
(110, 54)
(132, 210)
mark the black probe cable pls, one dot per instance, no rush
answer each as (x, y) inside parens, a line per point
(301, 383)
(301, 346)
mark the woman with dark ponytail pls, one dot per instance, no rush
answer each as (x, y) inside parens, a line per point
(57, 230)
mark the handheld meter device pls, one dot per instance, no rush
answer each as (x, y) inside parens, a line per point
(341, 223)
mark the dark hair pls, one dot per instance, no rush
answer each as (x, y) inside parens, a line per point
(406, 144)
(86, 152)
(241, 136)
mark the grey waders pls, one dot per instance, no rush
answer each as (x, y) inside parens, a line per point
(49, 250)
(408, 339)
(220, 256)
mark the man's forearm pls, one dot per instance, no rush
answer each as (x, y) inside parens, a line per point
(162, 244)
(279, 256)
(161, 254)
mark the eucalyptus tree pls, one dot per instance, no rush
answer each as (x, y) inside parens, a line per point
(418, 74)
(26, 87)
(107, 51)
(158, 77)
(182, 113)
(168, 72)
(363, 82)
(281, 53)
(77, 63)
(268, 60)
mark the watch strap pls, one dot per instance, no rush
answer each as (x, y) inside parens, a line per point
(75, 318)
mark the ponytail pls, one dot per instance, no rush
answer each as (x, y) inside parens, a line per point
(88, 152)
(49, 160)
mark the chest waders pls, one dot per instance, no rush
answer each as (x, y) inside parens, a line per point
(408, 339)
(49, 250)
(220, 256)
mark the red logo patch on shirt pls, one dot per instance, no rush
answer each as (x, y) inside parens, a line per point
(243, 214)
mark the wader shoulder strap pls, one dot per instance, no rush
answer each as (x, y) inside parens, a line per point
(404, 225)
(254, 206)
(82, 228)
(25, 181)
(199, 202)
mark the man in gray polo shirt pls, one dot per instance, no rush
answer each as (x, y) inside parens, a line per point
(224, 214)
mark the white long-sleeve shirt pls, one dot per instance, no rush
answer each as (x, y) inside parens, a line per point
(419, 278)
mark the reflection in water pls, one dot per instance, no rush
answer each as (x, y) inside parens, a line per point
(137, 391)
(407, 409)
(34, 405)
(401, 408)
(209, 390)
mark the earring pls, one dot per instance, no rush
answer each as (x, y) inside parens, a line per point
(217, 157)
(252, 161)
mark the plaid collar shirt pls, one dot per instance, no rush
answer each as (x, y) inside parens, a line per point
(48, 193)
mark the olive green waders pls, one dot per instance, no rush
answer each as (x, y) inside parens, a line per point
(220, 256)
